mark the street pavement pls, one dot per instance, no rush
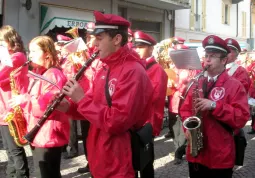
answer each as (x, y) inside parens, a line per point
(164, 167)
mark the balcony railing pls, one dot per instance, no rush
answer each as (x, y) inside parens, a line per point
(164, 4)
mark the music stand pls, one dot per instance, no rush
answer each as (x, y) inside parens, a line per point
(186, 59)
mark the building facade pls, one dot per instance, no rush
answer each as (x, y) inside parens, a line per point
(225, 18)
(152, 16)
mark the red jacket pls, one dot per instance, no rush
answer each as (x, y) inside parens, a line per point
(242, 75)
(21, 82)
(55, 131)
(158, 79)
(108, 142)
(232, 109)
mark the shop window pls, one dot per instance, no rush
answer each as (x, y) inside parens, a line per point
(152, 28)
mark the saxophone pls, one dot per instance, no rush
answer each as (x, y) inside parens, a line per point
(15, 118)
(194, 123)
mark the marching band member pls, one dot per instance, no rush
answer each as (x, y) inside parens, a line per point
(17, 162)
(130, 92)
(144, 44)
(234, 69)
(44, 85)
(224, 102)
(130, 38)
(183, 78)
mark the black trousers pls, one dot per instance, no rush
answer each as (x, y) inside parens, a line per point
(84, 131)
(17, 161)
(47, 162)
(73, 140)
(199, 171)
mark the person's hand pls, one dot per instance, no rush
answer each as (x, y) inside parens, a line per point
(73, 89)
(203, 104)
(63, 106)
(15, 101)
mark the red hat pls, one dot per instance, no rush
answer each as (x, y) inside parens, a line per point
(179, 40)
(180, 46)
(109, 22)
(63, 39)
(212, 43)
(142, 38)
(130, 33)
(233, 44)
(90, 27)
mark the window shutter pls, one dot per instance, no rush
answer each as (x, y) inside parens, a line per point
(223, 13)
(203, 15)
(192, 16)
(229, 14)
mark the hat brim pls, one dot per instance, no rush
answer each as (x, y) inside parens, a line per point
(136, 44)
(98, 31)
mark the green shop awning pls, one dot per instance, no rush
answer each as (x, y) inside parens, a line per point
(52, 17)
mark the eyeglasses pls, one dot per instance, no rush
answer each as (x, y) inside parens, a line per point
(212, 57)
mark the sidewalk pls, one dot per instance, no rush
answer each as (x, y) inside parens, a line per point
(164, 167)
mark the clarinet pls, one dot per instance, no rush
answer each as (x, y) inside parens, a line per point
(31, 135)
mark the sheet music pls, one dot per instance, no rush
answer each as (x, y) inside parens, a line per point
(186, 59)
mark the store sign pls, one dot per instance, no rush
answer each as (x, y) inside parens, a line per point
(74, 23)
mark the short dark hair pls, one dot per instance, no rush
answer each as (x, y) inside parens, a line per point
(122, 32)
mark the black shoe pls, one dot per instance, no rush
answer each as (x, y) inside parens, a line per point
(70, 155)
(177, 161)
(83, 170)
(251, 132)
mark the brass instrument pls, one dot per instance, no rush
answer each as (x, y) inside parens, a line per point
(79, 54)
(15, 119)
(73, 32)
(194, 123)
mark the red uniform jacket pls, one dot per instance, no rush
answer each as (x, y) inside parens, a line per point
(21, 82)
(108, 142)
(241, 75)
(158, 79)
(55, 131)
(232, 109)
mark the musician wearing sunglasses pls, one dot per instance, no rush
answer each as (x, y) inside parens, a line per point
(11, 41)
(220, 101)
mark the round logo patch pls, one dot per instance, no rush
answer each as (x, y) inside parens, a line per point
(229, 41)
(217, 93)
(210, 40)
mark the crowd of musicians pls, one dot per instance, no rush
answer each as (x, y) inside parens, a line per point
(122, 90)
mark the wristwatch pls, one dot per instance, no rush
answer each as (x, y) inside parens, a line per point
(213, 105)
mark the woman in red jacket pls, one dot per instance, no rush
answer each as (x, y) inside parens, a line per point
(43, 87)
(10, 39)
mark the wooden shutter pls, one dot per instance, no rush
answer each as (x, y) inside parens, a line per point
(192, 15)
(229, 14)
(223, 13)
(203, 15)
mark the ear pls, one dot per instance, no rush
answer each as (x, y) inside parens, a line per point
(117, 40)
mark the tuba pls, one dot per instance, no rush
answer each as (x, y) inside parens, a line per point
(194, 123)
(77, 49)
(15, 119)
